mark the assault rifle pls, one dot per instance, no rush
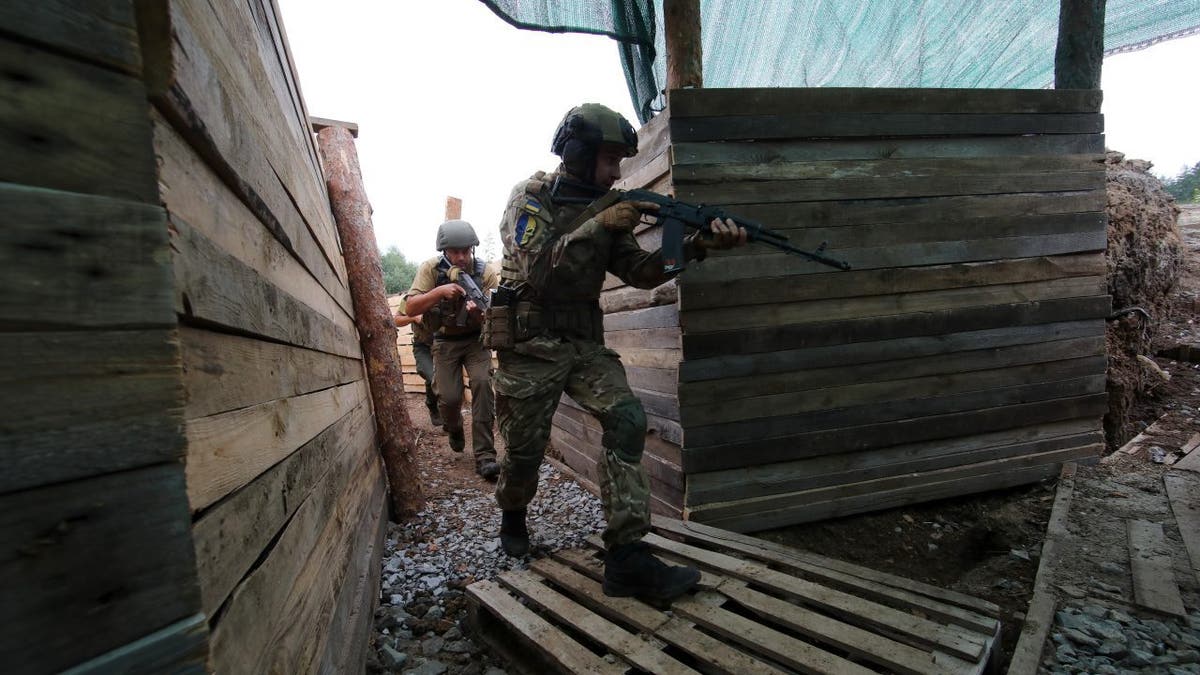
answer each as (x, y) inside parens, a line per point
(473, 293)
(676, 215)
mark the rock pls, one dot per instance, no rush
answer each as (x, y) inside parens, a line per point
(1112, 649)
(432, 646)
(1073, 591)
(1120, 617)
(1065, 654)
(1138, 658)
(1095, 611)
(429, 668)
(434, 613)
(392, 659)
(453, 634)
(1187, 656)
(1019, 554)
(1080, 638)
(495, 671)
(458, 647)
(1109, 567)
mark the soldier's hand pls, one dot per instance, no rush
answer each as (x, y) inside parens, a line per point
(624, 216)
(452, 291)
(725, 234)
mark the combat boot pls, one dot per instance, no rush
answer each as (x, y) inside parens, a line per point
(435, 418)
(489, 469)
(630, 570)
(514, 538)
(458, 439)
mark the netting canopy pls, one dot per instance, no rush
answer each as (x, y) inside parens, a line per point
(852, 43)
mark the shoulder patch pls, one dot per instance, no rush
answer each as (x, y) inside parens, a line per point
(532, 205)
(526, 229)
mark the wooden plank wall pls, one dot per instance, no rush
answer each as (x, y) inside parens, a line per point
(96, 552)
(964, 352)
(283, 479)
(413, 384)
(643, 327)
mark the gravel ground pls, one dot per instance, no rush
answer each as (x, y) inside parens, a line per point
(1093, 638)
(429, 561)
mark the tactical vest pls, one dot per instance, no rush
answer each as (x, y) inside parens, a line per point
(447, 310)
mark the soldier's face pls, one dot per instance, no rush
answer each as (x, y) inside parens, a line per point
(459, 257)
(608, 165)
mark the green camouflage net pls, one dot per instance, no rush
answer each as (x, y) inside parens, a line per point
(852, 43)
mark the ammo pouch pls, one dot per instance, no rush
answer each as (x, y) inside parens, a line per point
(499, 328)
(579, 320)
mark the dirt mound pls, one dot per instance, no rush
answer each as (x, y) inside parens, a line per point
(1145, 257)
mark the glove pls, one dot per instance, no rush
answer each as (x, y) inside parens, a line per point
(624, 216)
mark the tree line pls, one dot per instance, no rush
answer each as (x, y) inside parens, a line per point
(1185, 187)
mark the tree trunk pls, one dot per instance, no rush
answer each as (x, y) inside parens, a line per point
(1080, 44)
(352, 212)
(684, 48)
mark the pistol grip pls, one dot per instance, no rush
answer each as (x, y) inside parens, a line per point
(672, 246)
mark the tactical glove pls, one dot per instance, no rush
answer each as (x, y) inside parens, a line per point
(623, 216)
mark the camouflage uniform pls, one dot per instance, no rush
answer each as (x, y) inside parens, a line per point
(422, 345)
(557, 255)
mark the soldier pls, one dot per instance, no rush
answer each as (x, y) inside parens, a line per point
(456, 321)
(422, 346)
(551, 339)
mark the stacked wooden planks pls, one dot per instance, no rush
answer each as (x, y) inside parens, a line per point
(96, 565)
(759, 608)
(413, 383)
(643, 327)
(964, 351)
(283, 479)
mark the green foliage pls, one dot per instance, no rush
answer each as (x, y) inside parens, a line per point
(1186, 186)
(398, 271)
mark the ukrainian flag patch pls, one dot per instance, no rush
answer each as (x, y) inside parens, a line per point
(526, 229)
(532, 205)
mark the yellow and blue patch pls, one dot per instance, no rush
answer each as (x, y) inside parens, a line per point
(526, 229)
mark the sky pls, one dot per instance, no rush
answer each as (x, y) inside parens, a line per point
(452, 101)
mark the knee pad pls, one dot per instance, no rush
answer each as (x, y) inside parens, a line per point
(625, 429)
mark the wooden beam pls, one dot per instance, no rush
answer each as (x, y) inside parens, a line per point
(319, 123)
(1080, 49)
(453, 208)
(684, 48)
(352, 213)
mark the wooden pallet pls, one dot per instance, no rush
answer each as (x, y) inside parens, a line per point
(759, 608)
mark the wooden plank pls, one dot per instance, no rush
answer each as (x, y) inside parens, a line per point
(278, 617)
(551, 642)
(836, 507)
(744, 482)
(930, 169)
(734, 366)
(213, 287)
(653, 140)
(911, 629)
(239, 41)
(1027, 654)
(754, 636)
(708, 102)
(768, 263)
(628, 646)
(232, 535)
(198, 92)
(949, 364)
(104, 33)
(842, 309)
(55, 140)
(693, 531)
(181, 647)
(766, 503)
(107, 259)
(223, 372)
(628, 611)
(227, 451)
(925, 213)
(1191, 458)
(81, 403)
(835, 125)
(646, 338)
(1150, 558)
(319, 123)
(665, 316)
(883, 434)
(862, 644)
(666, 429)
(352, 625)
(794, 336)
(291, 260)
(747, 152)
(1183, 492)
(649, 358)
(56, 617)
(871, 236)
(626, 298)
(1079, 377)
(661, 380)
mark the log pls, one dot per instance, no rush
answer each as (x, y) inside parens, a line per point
(1080, 49)
(352, 213)
(684, 48)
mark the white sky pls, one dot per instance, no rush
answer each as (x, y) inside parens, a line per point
(451, 100)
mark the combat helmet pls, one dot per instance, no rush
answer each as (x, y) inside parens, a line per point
(456, 234)
(581, 132)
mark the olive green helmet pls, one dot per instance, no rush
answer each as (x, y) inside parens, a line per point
(583, 130)
(456, 234)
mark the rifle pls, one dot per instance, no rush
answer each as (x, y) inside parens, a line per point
(676, 215)
(473, 293)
